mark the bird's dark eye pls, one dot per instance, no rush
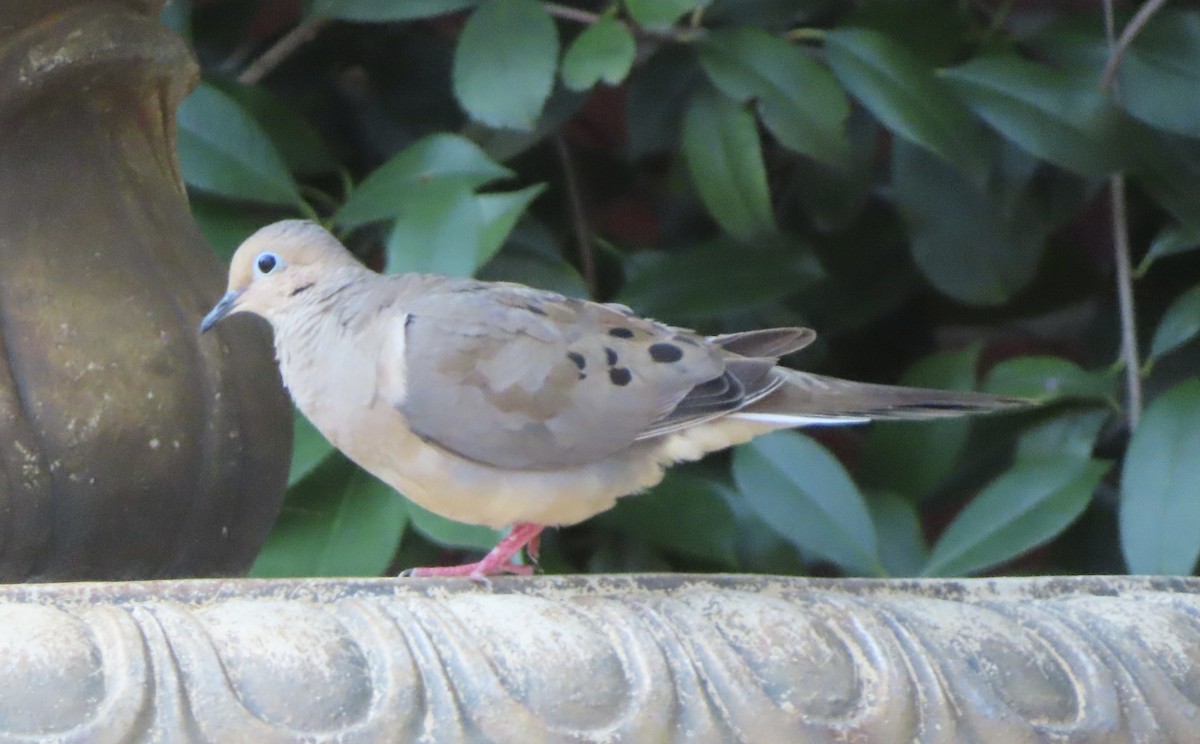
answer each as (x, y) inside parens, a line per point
(266, 263)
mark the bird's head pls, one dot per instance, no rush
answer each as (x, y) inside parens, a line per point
(276, 264)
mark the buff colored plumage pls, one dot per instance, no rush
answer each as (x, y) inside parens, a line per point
(498, 404)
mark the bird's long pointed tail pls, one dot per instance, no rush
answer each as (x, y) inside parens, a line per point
(807, 399)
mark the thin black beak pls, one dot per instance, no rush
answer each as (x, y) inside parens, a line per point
(221, 309)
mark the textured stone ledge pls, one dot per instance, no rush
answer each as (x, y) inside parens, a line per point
(638, 659)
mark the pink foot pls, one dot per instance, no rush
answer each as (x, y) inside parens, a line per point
(498, 561)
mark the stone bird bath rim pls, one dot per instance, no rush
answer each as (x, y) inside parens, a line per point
(603, 659)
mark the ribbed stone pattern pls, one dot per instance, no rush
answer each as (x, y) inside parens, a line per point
(602, 659)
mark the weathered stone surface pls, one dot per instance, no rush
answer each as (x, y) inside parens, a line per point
(583, 659)
(129, 447)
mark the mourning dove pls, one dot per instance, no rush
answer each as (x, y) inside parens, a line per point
(501, 405)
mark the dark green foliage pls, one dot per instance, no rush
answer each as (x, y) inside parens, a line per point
(1160, 514)
(925, 183)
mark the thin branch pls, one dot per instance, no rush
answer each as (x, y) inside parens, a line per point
(583, 235)
(568, 13)
(1128, 34)
(1120, 218)
(1129, 342)
(237, 58)
(281, 50)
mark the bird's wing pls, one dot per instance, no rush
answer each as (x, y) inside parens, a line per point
(521, 378)
(768, 342)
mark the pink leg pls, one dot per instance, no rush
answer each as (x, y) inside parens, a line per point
(498, 561)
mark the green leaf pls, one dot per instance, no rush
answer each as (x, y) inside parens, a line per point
(302, 149)
(760, 549)
(724, 157)
(387, 10)
(439, 163)
(773, 15)
(309, 449)
(1179, 324)
(716, 277)
(450, 533)
(224, 151)
(365, 530)
(531, 257)
(685, 515)
(1075, 42)
(439, 234)
(505, 62)
(339, 521)
(604, 51)
(1072, 434)
(660, 13)
(805, 494)
(1022, 509)
(1160, 486)
(913, 457)
(224, 224)
(660, 90)
(498, 213)
(1159, 72)
(904, 94)
(930, 30)
(798, 100)
(962, 239)
(832, 198)
(451, 231)
(1167, 168)
(1050, 113)
(439, 224)
(1170, 240)
(898, 525)
(503, 145)
(1048, 378)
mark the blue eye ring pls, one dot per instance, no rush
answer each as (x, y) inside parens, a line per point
(266, 262)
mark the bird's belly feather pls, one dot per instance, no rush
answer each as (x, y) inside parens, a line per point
(476, 493)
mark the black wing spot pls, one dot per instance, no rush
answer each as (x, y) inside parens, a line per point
(577, 359)
(535, 309)
(620, 376)
(665, 353)
(620, 333)
(610, 356)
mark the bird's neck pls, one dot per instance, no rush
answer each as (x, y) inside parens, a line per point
(309, 334)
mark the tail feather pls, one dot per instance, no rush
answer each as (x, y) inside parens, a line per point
(807, 398)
